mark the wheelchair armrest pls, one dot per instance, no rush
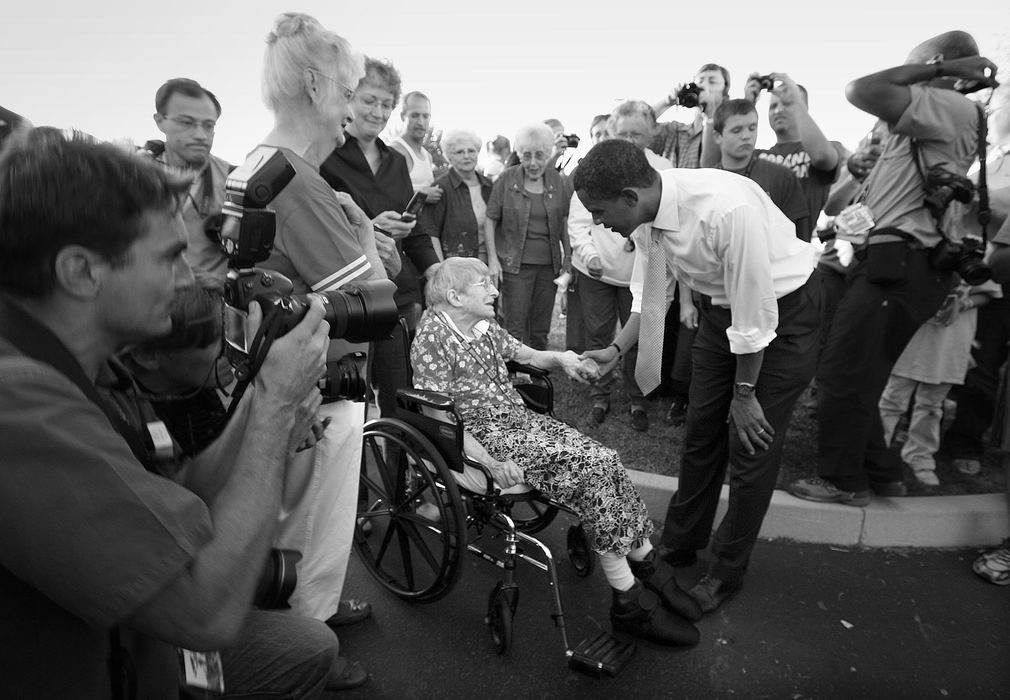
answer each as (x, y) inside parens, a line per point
(536, 372)
(412, 399)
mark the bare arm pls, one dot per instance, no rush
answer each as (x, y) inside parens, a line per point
(494, 266)
(205, 606)
(886, 94)
(823, 154)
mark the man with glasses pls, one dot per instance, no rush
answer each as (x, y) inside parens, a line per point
(187, 113)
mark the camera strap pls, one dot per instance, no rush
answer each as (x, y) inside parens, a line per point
(984, 213)
(258, 350)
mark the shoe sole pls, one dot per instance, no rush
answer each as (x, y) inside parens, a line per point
(984, 573)
(857, 501)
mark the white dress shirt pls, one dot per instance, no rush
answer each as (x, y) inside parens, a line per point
(725, 239)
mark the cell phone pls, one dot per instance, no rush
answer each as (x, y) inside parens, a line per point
(414, 207)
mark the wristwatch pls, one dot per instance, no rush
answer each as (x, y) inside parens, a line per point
(743, 390)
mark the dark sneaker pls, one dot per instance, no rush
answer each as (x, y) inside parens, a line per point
(712, 592)
(821, 491)
(598, 414)
(349, 611)
(890, 489)
(678, 557)
(656, 575)
(678, 411)
(639, 419)
(994, 565)
(639, 612)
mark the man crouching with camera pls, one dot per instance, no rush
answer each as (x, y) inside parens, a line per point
(905, 262)
(105, 567)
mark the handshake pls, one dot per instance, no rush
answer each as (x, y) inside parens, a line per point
(582, 369)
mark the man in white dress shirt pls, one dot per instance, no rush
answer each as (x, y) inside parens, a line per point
(755, 349)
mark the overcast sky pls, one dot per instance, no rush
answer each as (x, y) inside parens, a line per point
(96, 66)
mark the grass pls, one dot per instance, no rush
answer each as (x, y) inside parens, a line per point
(658, 449)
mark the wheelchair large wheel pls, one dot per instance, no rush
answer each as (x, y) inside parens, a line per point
(410, 527)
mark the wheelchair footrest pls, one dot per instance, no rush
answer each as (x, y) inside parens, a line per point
(601, 655)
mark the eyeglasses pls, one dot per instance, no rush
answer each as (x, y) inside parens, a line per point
(347, 92)
(528, 157)
(190, 124)
(487, 284)
(370, 102)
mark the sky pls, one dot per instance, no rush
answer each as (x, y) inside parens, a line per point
(487, 66)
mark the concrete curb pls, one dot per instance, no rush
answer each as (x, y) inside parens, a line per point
(929, 521)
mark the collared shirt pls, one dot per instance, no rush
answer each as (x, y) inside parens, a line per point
(679, 143)
(387, 189)
(944, 124)
(724, 238)
(588, 239)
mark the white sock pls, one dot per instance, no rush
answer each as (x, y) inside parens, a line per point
(641, 553)
(618, 572)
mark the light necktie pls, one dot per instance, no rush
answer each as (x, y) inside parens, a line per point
(648, 369)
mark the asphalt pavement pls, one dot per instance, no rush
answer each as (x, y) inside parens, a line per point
(812, 621)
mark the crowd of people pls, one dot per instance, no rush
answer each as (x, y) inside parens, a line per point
(140, 505)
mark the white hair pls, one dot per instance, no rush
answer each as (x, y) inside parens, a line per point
(452, 273)
(533, 135)
(299, 43)
(454, 136)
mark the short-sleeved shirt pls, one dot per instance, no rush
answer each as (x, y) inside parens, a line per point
(814, 182)
(470, 370)
(782, 187)
(87, 536)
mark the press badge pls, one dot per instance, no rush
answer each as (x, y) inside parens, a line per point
(853, 223)
(161, 439)
(202, 669)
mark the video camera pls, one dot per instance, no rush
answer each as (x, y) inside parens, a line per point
(358, 312)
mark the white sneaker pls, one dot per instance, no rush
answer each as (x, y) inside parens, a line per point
(927, 477)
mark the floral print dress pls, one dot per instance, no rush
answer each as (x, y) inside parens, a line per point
(556, 459)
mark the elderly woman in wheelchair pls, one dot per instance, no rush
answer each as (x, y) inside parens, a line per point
(461, 351)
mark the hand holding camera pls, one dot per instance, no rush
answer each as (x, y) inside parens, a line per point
(972, 72)
(296, 360)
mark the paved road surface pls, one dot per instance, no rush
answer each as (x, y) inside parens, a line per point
(813, 621)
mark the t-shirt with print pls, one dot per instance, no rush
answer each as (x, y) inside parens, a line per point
(814, 182)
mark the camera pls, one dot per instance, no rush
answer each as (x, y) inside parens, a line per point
(963, 256)
(572, 140)
(766, 82)
(942, 187)
(361, 311)
(688, 96)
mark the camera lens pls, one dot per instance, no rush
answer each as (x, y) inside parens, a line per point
(362, 311)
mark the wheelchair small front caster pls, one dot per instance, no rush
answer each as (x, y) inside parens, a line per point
(579, 551)
(500, 610)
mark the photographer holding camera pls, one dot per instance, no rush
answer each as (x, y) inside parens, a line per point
(680, 143)
(106, 566)
(898, 280)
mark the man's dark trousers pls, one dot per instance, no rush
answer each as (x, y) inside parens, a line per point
(710, 445)
(872, 325)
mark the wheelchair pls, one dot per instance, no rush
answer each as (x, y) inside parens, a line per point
(422, 502)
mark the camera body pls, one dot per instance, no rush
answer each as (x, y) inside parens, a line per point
(964, 257)
(766, 82)
(689, 95)
(358, 312)
(572, 140)
(943, 187)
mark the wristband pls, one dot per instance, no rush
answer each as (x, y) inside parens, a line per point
(939, 69)
(618, 347)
